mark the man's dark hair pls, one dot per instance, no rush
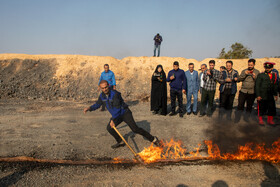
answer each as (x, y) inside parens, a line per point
(229, 61)
(176, 63)
(212, 62)
(191, 64)
(106, 65)
(252, 60)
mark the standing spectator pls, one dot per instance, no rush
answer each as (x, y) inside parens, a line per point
(266, 92)
(108, 76)
(159, 92)
(203, 67)
(222, 68)
(247, 93)
(210, 78)
(192, 89)
(228, 89)
(177, 80)
(158, 40)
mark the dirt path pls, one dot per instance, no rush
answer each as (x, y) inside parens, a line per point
(59, 130)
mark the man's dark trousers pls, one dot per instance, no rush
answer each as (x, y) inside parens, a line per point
(179, 95)
(227, 99)
(207, 96)
(248, 98)
(128, 119)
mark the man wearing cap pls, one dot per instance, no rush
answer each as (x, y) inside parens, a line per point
(158, 40)
(266, 93)
(177, 80)
(247, 93)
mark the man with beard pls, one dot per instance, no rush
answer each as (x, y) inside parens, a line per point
(247, 93)
(266, 93)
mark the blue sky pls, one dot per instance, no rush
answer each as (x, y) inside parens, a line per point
(190, 28)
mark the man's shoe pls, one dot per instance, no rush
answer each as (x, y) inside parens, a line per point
(209, 115)
(270, 121)
(195, 113)
(201, 115)
(117, 145)
(189, 113)
(181, 115)
(155, 112)
(172, 114)
(261, 123)
(157, 142)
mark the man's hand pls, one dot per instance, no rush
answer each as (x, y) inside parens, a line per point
(172, 77)
(276, 98)
(184, 91)
(228, 80)
(112, 124)
(259, 98)
(86, 109)
(235, 79)
(254, 75)
(114, 87)
(208, 72)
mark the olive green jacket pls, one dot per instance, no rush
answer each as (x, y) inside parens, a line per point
(266, 87)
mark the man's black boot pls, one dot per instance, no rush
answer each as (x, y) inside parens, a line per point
(117, 145)
(157, 142)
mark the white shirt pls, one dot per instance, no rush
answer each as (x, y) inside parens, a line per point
(201, 81)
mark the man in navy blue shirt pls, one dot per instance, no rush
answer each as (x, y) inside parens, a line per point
(120, 112)
(177, 80)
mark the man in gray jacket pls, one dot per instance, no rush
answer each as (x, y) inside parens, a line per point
(247, 93)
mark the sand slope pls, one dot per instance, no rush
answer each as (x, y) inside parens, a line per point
(76, 76)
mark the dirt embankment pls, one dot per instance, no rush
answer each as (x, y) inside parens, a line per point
(75, 77)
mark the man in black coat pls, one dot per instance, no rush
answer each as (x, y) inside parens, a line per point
(266, 93)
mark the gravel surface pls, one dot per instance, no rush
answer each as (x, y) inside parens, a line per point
(60, 130)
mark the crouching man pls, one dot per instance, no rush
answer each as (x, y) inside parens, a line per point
(120, 112)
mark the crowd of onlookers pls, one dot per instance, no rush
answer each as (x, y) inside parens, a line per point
(263, 86)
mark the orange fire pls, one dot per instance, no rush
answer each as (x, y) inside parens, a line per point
(173, 150)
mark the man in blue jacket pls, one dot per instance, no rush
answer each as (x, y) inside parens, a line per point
(192, 87)
(120, 112)
(177, 80)
(108, 76)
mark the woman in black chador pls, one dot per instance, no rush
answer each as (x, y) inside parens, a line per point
(159, 92)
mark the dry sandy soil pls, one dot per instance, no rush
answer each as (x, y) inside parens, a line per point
(41, 103)
(59, 130)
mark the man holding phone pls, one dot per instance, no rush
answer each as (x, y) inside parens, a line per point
(247, 93)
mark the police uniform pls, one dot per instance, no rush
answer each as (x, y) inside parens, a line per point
(266, 88)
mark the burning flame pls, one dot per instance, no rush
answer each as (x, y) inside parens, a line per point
(173, 150)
